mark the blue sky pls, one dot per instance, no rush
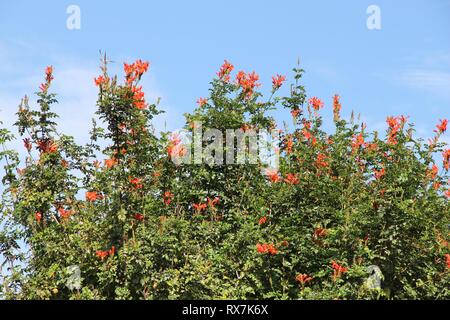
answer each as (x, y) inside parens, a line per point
(404, 68)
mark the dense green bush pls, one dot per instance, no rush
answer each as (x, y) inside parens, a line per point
(342, 209)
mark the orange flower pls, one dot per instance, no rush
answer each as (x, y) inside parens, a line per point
(447, 260)
(199, 207)
(248, 82)
(109, 163)
(320, 232)
(292, 179)
(316, 103)
(442, 126)
(136, 182)
(433, 172)
(262, 248)
(225, 70)
(446, 156)
(277, 81)
(379, 173)
(47, 146)
(266, 248)
(202, 101)
(64, 163)
(139, 217)
(48, 79)
(102, 254)
(295, 113)
(272, 250)
(65, 213)
(321, 160)
(289, 145)
(303, 278)
(167, 197)
(99, 80)
(138, 98)
(96, 163)
(338, 270)
(38, 217)
(395, 124)
(336, 107)
(92, 196)
(273, 175)
(175, 149)
(262, 221)
(49, 72)
(135, 70)
(212, 203)
(357, 142)
(27, 144)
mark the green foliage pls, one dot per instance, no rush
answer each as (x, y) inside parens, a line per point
(138, 226)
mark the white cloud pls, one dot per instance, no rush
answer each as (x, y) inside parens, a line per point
(434, 81)
(74, 85)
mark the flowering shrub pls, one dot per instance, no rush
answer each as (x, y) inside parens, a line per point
(139, 226)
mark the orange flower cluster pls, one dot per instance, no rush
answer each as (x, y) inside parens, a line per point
(99, 80)
(336, 107)
(266, 248)
(92, 196)
(176, 149)
(136, 183)
(338, 270)
(102, 254)
(442, 126)
(138, 98)
(446, 156)
(277, 81)
(38, 217)
(167, 197)
(320, 232)
(48, 79)
(273, 175)
(395, 124)
(295, 113)
(213, 202)
(27, 144)
(135, 70)
(292, 179)
(248, 82)
(433, 172)
(321, 161)
(316, 103)
(65, 214)
(262, 221)
(447, 260)
(303, 278)
(289, 145)
(357, 142)
(47, 146)
(199, 207)
(379, 173)
(202, 101)
(225, 70)
(110, 163)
